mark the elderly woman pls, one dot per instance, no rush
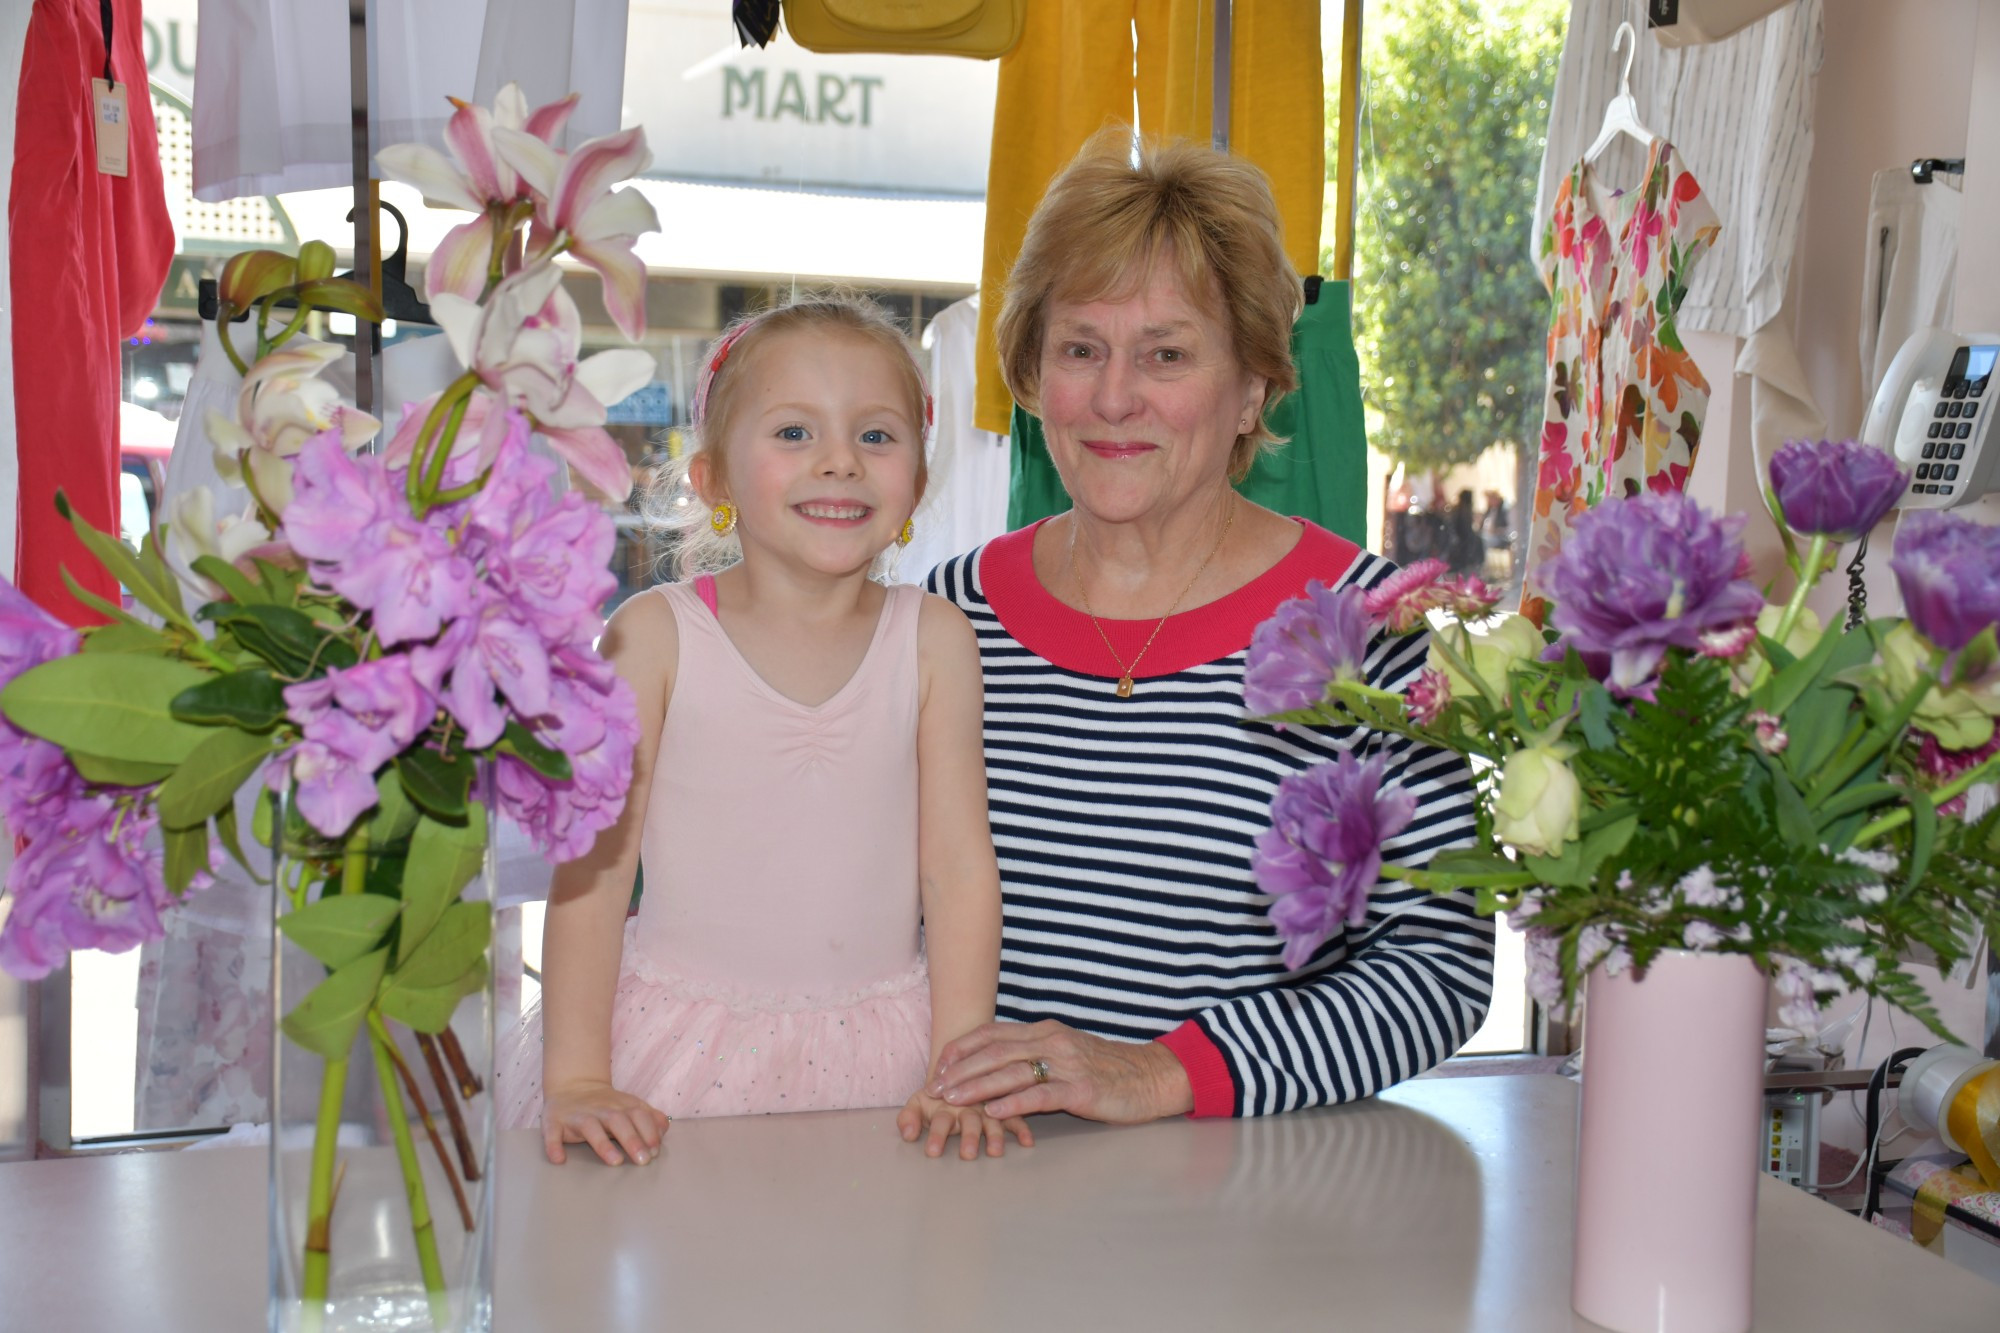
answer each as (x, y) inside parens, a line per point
(1148, 323)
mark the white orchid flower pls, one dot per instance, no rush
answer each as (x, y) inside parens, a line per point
(524, 344)
(283, 403)
(193, 531)
(578, 211)
(476, 178)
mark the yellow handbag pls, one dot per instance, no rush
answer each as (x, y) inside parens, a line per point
(979, 29)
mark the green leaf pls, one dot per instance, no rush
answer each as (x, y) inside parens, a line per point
(438, 785)
(457, 941)
(342, 927)
(233, 581)
(125, 636)
(1595, 716)
(1565, 868)
(283, 636)
(119, 560)
(281, 585)
(115, 612)
(225, 833)
(187, 853)
(119, 772)
(111, 704)
(327, 1019)
(394, 816)
(1862, 796)
(163, 580)
(1923, 836)
(550, 763)
(1816, 725)
(1795, 821)
(252, 700)
(1602, 844)
(429, 1009)
(208, 779)
(1470, 861)
(443, 857)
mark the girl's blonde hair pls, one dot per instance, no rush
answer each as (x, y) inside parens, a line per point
(671, 502)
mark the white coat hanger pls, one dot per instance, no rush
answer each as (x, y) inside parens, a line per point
(1622, 116)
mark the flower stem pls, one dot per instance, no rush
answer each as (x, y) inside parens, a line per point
(296, 323)
(326, 1129)
(441, 453)
(1429, 879)
(413, 1175)
(1463, 665)
(1808, 578)
(1958, 786)
(222, 318)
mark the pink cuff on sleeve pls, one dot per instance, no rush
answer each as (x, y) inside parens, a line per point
(1214, 1090)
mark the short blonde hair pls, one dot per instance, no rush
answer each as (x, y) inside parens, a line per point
(1107, 218)
(717, 399)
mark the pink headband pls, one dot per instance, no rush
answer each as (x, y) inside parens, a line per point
(721, 353)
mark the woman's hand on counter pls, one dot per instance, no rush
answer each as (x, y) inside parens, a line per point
(1017, 1069)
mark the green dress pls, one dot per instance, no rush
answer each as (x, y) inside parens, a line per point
(1321, 473)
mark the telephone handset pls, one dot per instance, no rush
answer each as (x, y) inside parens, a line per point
(1934, 411)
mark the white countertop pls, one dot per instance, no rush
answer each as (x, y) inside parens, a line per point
(1443, 1205)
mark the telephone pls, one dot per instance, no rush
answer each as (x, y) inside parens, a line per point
(1934, 411)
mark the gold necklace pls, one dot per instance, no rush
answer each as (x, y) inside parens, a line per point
(1124, 671)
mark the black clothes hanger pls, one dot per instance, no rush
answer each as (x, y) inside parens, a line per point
(1924, 168)
(399, 299)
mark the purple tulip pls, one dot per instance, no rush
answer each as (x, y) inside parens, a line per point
(1306, 645)
(1323, 852)
(1949, 570)
(1836, 488)
(1643, 574)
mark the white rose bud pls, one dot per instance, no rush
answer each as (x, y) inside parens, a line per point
(1491, 656)
(1540, 801)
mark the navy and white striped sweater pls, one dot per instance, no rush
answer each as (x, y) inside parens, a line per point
(1124, 829)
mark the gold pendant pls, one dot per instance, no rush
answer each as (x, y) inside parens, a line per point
(1124, 687)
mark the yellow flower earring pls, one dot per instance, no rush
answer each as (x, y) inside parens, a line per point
(723, 520)
(909, 532)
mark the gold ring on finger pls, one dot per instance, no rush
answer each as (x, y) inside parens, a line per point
(1040, 1069)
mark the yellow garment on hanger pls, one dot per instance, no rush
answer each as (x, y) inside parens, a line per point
(1073, 74)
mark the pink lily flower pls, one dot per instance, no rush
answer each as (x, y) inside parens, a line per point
(475, 178)
(579, 213)
(283, 403)
(525, 345)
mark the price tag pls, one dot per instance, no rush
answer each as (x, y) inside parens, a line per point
(107, 102)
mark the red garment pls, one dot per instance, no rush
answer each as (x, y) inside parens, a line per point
(89, 257)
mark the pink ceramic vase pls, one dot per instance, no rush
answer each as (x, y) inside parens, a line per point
(1666, 1159)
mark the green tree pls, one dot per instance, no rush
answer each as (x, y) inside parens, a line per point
(1451, 317)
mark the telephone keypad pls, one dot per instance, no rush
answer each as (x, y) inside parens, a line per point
(1958, 451)
(1942, 409)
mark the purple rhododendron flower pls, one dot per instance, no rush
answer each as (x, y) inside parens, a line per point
(33, 772)
(349, 518)
(333, 791)
(1306, 645)
(85, 880)
(1949, 570)
(566, 817)
(1323, 852)
(498, 652)
(1643, 574)
(1835, 488)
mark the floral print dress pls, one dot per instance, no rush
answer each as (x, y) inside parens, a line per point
(1624, 403)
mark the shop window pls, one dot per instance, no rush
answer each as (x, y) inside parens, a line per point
(1451, 318)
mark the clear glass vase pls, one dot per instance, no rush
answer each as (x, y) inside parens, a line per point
(381, 1167)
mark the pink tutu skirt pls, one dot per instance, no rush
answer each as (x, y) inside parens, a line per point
(699, 1050)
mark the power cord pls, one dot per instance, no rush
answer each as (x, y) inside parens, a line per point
(1876, 1082)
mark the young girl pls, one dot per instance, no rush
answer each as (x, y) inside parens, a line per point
(808, 788)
